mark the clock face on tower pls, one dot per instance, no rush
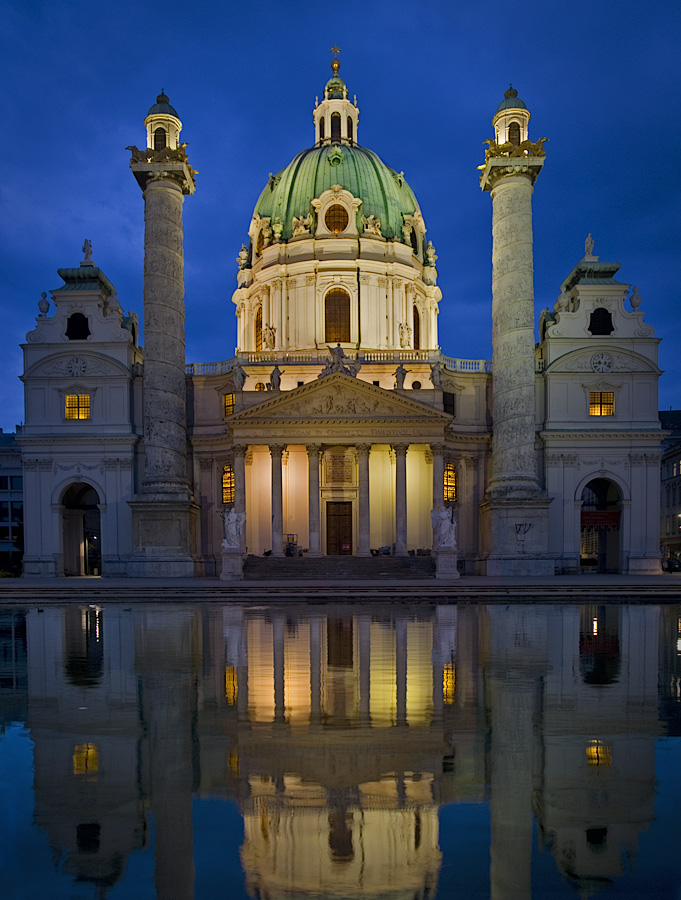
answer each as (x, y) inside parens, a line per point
(601, 362)
(76, 366)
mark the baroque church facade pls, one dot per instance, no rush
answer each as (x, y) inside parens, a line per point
(340, 427)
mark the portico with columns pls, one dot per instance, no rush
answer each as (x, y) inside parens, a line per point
(338, 467)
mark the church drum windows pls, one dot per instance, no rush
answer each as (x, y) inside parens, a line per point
(337, 218)
(337, 317)
(350, 130)
(258, 329)
(417, 328)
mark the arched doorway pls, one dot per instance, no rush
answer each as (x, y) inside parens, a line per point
(600, 526)
(82, 535)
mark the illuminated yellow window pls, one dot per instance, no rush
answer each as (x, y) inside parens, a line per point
(77, 406)
(228, 484)
(598, 754)
(229, 404)
(449, 684)
(450, 483)
(601, 403)
(85, 759)
(231, 685)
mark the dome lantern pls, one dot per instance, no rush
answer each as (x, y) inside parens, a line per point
(335, 118)
(511, 119)
(163, 125)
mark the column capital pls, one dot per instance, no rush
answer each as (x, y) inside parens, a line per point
(363, 449)
(400, 449)
(437, 448)
(313, 448)
(240, 449)
(277, 449)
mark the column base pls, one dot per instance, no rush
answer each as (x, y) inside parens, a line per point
(164, 534)
(232, 565)
(644, 566)
(446, 565)
(519, 536)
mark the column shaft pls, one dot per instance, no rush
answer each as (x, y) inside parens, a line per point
(314, 545)
(400, 499)
(240, 485)
(276, 451)
(363, 543)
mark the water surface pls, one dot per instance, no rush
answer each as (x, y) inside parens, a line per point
(397, 751)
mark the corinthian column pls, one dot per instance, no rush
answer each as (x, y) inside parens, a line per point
(276, 451)
(363, 542)
(400, 499)
(313, 500)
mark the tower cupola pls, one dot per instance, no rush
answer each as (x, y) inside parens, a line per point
(336, 118)
(163, 125)
(511, 119)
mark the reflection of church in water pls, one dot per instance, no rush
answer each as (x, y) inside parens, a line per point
(341, 733)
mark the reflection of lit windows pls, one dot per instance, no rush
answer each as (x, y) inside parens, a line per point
(449, 683)
(233, 762)
(228, 484)
(598, 754)
(449, 483)
(594, 625)
(85, 759)
(601, 403)
(231, 685)
(77, 406)
(229, 404)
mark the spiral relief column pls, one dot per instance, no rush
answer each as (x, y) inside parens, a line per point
(516, 507)
(164, 513)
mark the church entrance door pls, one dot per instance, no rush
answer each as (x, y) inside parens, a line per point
(82, 531)
(339, 528)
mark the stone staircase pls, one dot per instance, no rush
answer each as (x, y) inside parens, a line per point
(352, 568)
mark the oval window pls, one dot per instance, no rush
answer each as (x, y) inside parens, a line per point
(337, 218)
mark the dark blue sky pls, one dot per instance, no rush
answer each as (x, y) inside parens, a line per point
(600, 78)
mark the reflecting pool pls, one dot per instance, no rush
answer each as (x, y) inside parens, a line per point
(393, 751)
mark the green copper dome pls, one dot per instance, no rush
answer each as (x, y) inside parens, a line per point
(384, 193)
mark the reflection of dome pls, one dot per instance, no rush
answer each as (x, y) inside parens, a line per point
(384, 193)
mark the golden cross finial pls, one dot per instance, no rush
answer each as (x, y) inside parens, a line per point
(335, 50)
(335, 62)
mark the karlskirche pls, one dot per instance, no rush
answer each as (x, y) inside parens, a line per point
(339, 427)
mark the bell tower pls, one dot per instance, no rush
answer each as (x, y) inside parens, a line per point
(164, 514)
(516, 506)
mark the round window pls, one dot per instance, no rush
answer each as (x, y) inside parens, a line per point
(260, 386)
(336, 218)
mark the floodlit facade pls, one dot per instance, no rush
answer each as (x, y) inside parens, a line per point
(339, 427)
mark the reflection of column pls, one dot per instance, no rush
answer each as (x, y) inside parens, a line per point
(313, 504)
(400, 499)
(364, 628)
(512, 704)
(315, 670)
(401, 669)
(278, 662)
(276, 451)
(363, 548)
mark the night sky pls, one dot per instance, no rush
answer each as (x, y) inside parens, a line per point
(601, 80)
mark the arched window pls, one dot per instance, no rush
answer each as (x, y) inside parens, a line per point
(228, 484)
(514, 133)
(335, 128)
(258, 329)
(77, 328)
(337, 317)
(260, 243)
(350, 131)
(322, 123)
(601, 322)
(159, 139)
(414, 238)
(449, 484)
(417, 328)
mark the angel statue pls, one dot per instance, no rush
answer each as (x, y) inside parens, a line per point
(233, 523)
(445, 528)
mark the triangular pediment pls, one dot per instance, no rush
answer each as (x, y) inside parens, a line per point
(339, 397)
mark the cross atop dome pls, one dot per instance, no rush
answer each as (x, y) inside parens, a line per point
(335, 62)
